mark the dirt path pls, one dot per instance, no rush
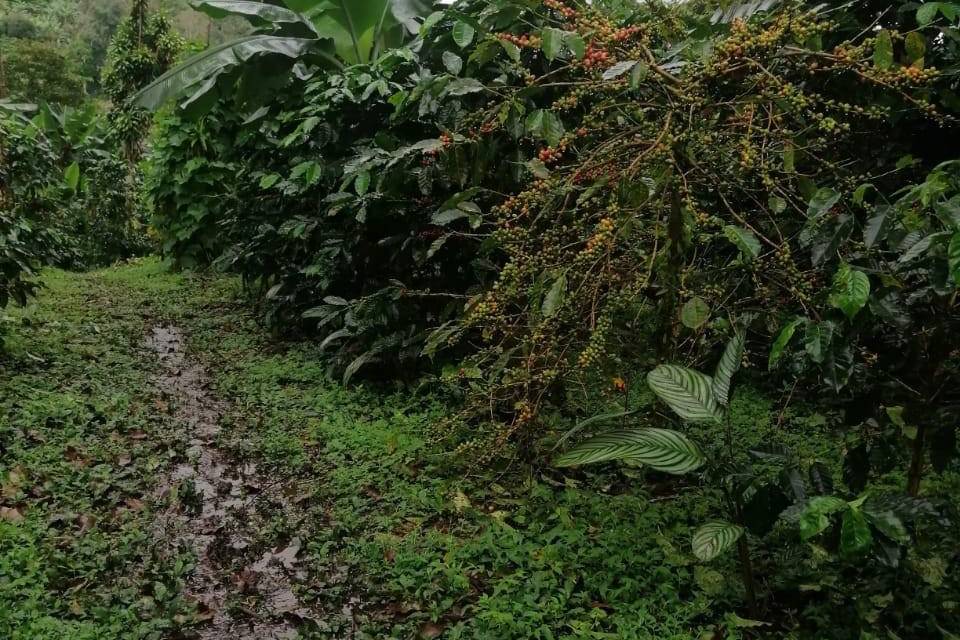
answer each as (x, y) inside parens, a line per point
(211, 510)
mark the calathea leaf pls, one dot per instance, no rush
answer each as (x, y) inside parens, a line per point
(851, 289)
(714, 538)
(661, 449)
(728, 366)
(689, 393)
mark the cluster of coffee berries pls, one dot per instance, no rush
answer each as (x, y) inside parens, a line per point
(596, 350)
(561, 8)
(551, 155)
(524, 40)
(625, 33)
(595, 57)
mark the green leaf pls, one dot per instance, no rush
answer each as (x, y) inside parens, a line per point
(583, 424)
(783, 339)
(889, 525)
(463, 34)
(689, 393)
(789, 158)
(744, 623)
(576, 44)
(513, 51)
(257, 13)
(463, 86)
(855, 536)
(72, 176)
(821, 202)
(538, 168)
(445, 217)
(269, 180)
(362, 183)
(638, 74)
(555, 297)
(916, 47)
(552, 42)
(927, 13)
(953, 257)
(430, 22)
(661, 449)
(308, 171)
(920, 247)
(875, 227)
(744, 239)
(452, 62)
(714, 538)
(883, 50)
(817, 340)
(728, 366)
(814, 517)
(546, 125)
(851, 289)
(199, 74)
(695, 313)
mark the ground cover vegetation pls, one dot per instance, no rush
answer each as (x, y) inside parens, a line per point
(681, 280)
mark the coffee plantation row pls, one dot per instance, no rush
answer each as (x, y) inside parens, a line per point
(591, 229)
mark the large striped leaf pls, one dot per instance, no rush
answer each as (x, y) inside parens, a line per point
(714, 538)
(729, 364)
(660, 449)
(689, 393)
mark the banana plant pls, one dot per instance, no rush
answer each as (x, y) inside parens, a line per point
(695, 398)
(299, 36)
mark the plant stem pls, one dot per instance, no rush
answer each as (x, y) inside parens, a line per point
(916, 463)
(672, 275)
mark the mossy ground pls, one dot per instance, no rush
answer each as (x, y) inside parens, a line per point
(399, 541)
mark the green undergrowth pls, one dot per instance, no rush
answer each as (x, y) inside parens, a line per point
(400, 539)
(80, 443)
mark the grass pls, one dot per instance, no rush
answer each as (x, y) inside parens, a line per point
(399, 541)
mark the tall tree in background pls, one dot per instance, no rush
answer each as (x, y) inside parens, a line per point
(143, 48)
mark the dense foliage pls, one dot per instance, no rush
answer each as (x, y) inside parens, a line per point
(70, 185)
(550, 196)
(711, 248)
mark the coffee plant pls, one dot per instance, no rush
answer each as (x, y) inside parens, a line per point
(532, 200)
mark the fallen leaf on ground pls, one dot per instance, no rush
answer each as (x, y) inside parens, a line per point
(430, 630)
(11, 514)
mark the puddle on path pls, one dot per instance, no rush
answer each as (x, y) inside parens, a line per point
(213, 512)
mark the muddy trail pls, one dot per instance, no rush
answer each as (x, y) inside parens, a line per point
(212, 504)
